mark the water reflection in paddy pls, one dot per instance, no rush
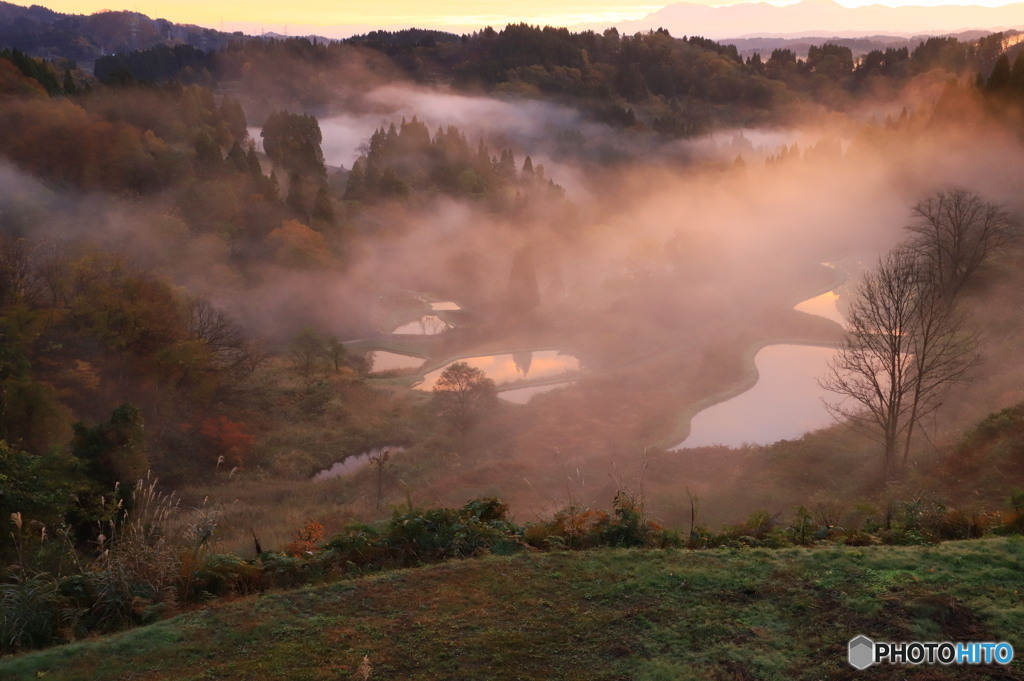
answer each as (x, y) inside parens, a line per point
(431, 324)
(784, 404)
(381, 360)
(513, 367)
(428, 325)
(826, 305)
(786, 401)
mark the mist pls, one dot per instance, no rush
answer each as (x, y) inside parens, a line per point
(841, 194)
(349, 307)
(662, 264)
(661, 270)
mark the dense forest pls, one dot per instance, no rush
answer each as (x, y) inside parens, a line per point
(194, 281)
(676, 86)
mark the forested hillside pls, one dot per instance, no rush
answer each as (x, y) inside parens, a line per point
(210, 251)
(82, 38)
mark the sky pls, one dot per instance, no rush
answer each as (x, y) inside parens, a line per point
(301, 17)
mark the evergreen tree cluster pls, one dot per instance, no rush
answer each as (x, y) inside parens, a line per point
(1006, 80)
(677, 86)
(157, 64)
(52, 77)
(837, 64)
(405, 158)
(292, 143)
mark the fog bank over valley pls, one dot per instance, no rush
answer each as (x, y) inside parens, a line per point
(285, 252)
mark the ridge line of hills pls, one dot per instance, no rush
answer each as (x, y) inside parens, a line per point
(813, 17)
(45, 33)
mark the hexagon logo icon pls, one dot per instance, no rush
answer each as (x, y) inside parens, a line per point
(862, 652)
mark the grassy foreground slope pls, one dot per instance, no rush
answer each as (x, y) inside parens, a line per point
(604, 614)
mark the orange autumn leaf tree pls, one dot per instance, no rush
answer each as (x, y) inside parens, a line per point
(307, 539)
(229, 439)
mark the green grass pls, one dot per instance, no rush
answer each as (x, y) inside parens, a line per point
(604, 614)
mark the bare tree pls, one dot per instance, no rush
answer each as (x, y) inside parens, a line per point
(906, 341)
(954, 231)
(905, 345)
(944, 348)
(222, 336)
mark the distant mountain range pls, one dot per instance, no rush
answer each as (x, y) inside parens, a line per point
(823, 17)
(752, 27)
(44, 33)
(859, 46)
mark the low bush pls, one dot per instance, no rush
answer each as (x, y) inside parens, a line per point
(33, 613)
(147, 569)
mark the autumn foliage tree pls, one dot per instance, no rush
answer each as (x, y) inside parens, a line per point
(462, 394)
(229, 441)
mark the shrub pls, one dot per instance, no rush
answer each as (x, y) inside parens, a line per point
(307, 539)
(1016, 522)
(359, 546)
(222, 574)
(33, 613)
(283, 571)
(413, 536)
(416, 535)
(570, 527)
(574, 528)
